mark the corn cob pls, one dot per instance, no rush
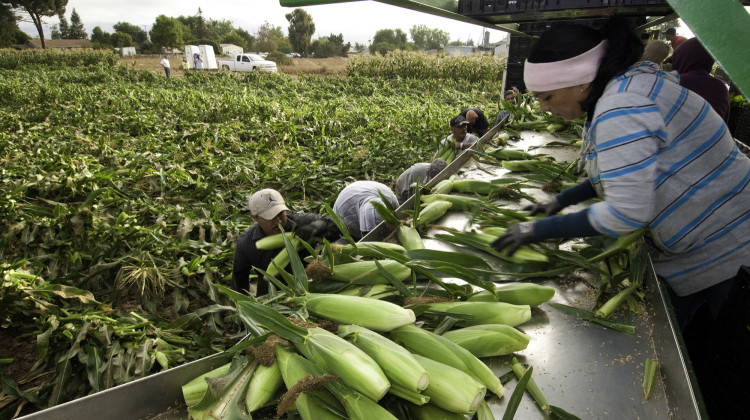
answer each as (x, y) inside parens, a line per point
(194, 390)
(366, 249)
(281, 260)
(476, 186)
(486, 312)
(375, 291)
(397, 363)
(510, 154)
(409, 238)
(343, 359)
(440, 349)
(531, 294)
(432, 212)
(265, 383)
(432, 412)
(366, 272)
(451, 388)
(273, 241)
(458, 202)
(307, 404)
(443, 187)
(379, 315)
(489, 339)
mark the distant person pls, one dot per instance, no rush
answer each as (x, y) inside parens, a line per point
(422, 172)
(354, 206)
(509, 97)
(198, 62)
(675, 40)
(185, 65)
(478, 124)
(268, 210)
(655, 51)
(165, 63)
(458, 140)
(693, 63)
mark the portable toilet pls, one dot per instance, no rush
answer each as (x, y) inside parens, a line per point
(190, 52)
(209, 58)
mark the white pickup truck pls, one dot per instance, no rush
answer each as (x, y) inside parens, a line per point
(248, 62)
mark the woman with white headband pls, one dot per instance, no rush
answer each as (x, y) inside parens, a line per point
(655, 153)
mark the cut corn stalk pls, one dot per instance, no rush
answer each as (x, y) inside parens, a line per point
(227, 393)
(367, 249)
(413, 397)
(378, 315)
(649, 378)
(531, 294)
(366, 272)
(194, 390)
(343, 359)
(398, 364)
(432, 412)
(440, 349)
(432, 212)
(531, 386)
(273, 241)
(489, 339)
(443, 187)
(485, 312)
(451, 388)
(409, 238)
(265, 383)
(313, 404)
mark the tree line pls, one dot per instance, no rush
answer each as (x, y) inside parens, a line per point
(176, 32)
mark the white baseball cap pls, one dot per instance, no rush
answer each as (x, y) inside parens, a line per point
(267, 203)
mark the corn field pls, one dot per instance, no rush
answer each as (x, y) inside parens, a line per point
(123, 194)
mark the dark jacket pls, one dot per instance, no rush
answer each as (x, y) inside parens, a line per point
(693, 63)
(480, 124)
(247, 255)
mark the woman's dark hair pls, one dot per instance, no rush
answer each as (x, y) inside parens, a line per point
(563, 42)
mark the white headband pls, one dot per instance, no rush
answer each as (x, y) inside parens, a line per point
(574, 71)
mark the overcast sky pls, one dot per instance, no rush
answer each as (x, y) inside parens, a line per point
(357, 21)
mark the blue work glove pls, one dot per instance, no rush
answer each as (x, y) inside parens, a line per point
(311, 230)
(549, 208)
(515, 237)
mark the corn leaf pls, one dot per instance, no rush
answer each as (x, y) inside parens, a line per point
(649, 378)
(591, 317)
(515, 398)
(254, 313)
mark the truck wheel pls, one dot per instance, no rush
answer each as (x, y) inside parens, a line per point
(225, 67)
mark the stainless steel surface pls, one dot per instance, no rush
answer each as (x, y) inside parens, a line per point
(156, 396)
(586, 369)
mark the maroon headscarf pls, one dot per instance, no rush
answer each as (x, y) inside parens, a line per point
(693, 63)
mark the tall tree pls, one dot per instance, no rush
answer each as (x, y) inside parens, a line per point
(61, 30)
(166, 33)
(8, 26)
(138, 35)
(269, 37)
(38, 9)
(425, 38)
(98, 36)
(249, 39)
(120, 40)
(388, 40)
(301, 29)
(76, 29)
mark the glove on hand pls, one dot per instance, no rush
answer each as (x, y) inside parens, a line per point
(549, 208)
(312, 230)
(515, 237)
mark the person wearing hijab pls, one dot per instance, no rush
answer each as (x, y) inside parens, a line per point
(693, 63)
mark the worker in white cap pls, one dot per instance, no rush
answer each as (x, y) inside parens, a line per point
(270, 213)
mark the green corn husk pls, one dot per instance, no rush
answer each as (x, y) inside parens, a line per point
(489, 340)
(413, 397)
(432, 212)
(378, 315)
(443, 187)
(194, 390)
(398, 364)
(482, 296)
(522, 165)
(366, 272)
(409, 238)
(531, 294)
(273, 241)
(476, 186)
(281, 260)
(440, 349)
(649, 378)
(450, 388)
(343, 359)
(372, 291)
(432, 412)
(458, 202)
(265, 383)
(311, 405)
(486, 312)
(367, 249)
(531, 386)
(522, 254)
(510, 154)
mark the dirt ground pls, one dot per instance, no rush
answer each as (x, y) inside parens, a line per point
(331, 66)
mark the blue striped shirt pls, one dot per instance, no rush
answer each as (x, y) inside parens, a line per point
(660, 157)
